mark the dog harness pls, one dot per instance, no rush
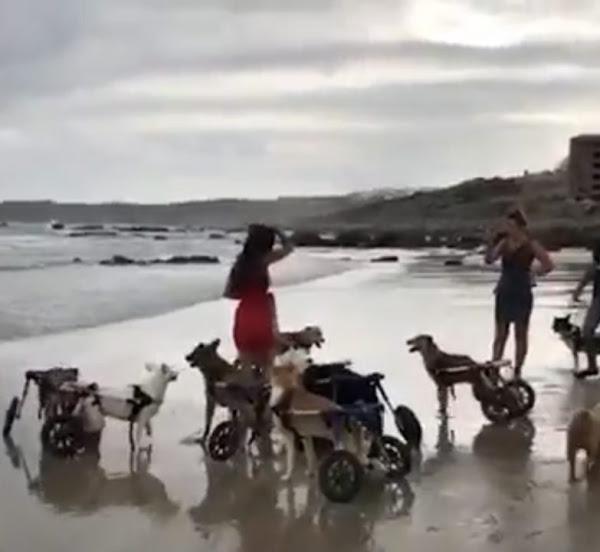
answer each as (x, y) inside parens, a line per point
(139, 401)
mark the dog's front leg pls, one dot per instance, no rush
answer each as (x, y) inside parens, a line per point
(442, 393)
(131, 440)
(575, 360)
(290, 456)
(209, 412)
(140, 425)
(311, 457)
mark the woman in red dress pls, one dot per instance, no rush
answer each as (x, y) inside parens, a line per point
(255, 328)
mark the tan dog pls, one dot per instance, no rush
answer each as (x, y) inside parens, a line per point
(301, 413)
(583, 433)
(438, 364)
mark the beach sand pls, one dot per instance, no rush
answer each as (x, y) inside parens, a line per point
(478, 487)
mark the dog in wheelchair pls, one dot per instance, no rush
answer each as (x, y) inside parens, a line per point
(438, 364)
(304, 416)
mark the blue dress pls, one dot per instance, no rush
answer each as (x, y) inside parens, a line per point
(514, 297)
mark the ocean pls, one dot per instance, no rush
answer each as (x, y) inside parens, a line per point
(44, 290)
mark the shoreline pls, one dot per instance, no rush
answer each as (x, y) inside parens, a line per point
(503, 488)
(466, 236)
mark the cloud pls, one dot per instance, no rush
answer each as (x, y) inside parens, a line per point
(151, 101)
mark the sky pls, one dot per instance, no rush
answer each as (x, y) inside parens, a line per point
(168, 100)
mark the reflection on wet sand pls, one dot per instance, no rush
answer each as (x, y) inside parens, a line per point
(83, 487)
(269, 515)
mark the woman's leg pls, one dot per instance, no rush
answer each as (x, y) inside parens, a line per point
(592, 319)
(521, 344)
(500, 338)
(525, 306)
(501, 328)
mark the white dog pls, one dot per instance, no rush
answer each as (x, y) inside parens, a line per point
(138, 404)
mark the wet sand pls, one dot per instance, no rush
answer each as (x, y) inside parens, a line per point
(478, 487)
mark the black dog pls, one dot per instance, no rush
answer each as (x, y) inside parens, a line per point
(572, 336)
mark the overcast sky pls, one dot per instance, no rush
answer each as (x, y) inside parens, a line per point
(160, 100)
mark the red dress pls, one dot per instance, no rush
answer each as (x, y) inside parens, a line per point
(253, 328)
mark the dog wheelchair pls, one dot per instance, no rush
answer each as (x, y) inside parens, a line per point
(59, 393)
(226, 437)
(501, 399)
(341, 472)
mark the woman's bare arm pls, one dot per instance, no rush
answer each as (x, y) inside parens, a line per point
(283, 250)
(541, 254)
(494, 251)
(585, 279)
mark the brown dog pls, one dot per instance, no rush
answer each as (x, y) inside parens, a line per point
(583, 433)
(438, 365)
(216, 370)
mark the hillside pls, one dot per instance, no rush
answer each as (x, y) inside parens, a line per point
(465, 212)
(218, 213)
(470, 204)
(222, 213)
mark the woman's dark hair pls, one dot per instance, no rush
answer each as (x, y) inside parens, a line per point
(518, 216)
(250, 263)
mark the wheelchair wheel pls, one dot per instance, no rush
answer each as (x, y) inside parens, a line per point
(62, 436)
(340, 476)
(223, 441)
(395, 456)
(497, 410)
(408, 426)
(521, 397)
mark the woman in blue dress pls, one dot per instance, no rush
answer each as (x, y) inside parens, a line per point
(514, 297)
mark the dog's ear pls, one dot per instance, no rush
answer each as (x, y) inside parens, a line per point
(214, 345)
(568, 318)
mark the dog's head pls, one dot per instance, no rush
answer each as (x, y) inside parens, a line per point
(421, 343)
(162, 370)
(307, 338)
(562, 324)
(311, 336)
(204, 354)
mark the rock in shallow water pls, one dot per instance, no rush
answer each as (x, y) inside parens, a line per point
(122, 260)
(385, 259)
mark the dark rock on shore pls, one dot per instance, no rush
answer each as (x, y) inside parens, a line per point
(153, 229)
(122, 260)
(93, 233)
(371, 239)
(87, 227)
(118, 260)
(454, 262)
(192, 259)
(385, 259)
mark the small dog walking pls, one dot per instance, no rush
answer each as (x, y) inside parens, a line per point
(583, 433)
(572, 336)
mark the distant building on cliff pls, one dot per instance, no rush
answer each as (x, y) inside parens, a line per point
(584, 166)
